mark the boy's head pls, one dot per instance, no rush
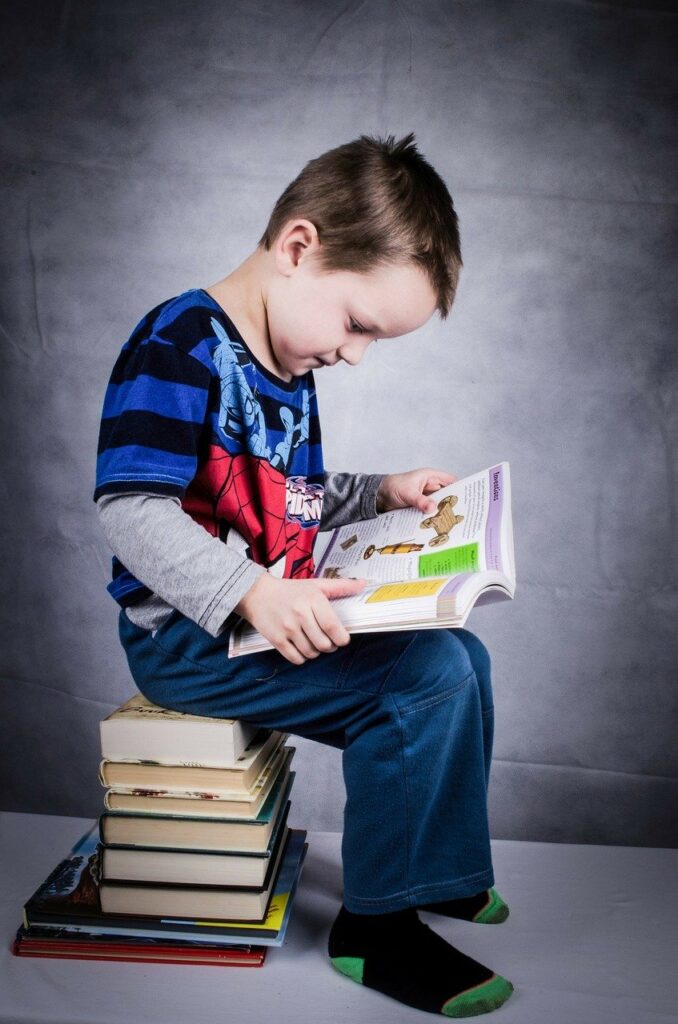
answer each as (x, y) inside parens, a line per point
(363, 243)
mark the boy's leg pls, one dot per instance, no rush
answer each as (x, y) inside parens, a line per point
(487, 906)
(480, 660)
(406, 710)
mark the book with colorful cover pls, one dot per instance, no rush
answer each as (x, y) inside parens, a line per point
(424, 571)
(68, 901)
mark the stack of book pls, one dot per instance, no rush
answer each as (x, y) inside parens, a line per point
(192, 860)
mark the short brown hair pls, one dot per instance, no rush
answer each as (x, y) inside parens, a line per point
(376, 201)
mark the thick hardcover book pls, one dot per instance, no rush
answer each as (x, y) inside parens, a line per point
(424, 571)
(203, 783)
(245, 805)
(203, 825)
(164, 801)
(60, 945)
(68, 901)
(158, 899)
(192, 867)
(141, 731)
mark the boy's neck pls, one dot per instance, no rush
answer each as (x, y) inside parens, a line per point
(242, 296)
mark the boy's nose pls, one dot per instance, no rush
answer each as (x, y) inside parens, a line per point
(353, 352)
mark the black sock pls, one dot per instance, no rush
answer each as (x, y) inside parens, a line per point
(485, 907)
(400, 956)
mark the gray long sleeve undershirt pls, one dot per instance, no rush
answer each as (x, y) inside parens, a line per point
(186, 567)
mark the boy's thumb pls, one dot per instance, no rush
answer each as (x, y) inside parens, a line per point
(340, 587)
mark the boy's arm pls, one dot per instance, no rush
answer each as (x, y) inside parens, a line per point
(349, 497)
(175, 557)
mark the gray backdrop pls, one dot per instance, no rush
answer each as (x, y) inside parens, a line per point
(143, 147)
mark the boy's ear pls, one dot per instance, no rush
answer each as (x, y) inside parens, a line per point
(297, 241)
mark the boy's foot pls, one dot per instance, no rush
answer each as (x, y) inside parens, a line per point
(485, 908)
(400, 956)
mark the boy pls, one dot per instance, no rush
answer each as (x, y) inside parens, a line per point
(211, 489)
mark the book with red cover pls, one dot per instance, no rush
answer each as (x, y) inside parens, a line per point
(41, 942)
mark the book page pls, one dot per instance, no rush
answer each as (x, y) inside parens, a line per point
(461, 536)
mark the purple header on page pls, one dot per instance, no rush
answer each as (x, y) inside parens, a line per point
(492, 526)
(455, 584)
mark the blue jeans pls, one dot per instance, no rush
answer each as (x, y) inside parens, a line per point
(412, 713)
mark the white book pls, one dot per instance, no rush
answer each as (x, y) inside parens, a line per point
(425, 570)
(141, 731)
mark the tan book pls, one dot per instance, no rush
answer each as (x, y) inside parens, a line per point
(191, 867)
(141, 731)
(175, 833)
(184, 780)
(206, 902)
(236, 805)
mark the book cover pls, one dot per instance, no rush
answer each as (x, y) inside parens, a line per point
(68, 900)
(58, 944)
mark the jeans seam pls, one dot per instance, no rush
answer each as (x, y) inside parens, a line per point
(355, 643)
(209, 672)
(396, 663)
(438, 698)
(407, 795)
(182, 657)
(417, 888)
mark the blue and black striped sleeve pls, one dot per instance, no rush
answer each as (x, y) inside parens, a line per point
(154, 419)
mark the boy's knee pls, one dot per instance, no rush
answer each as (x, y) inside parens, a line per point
(433, 657)
(477, 652)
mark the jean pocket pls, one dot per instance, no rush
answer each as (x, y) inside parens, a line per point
(264, 666)
(267, 678)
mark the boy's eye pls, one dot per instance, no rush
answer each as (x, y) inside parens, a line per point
(356, 326)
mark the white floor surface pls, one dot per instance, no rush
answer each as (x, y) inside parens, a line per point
(592, 938)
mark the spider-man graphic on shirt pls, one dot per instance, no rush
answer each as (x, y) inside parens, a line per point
(252, 491)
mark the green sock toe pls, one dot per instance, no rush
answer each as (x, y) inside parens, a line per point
(482, 999)
(494, 912)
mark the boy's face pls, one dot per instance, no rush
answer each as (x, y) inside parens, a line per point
(315, 319)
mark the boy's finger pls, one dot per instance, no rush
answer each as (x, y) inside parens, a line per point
(314, 634)
(341, 587)
(332, 627)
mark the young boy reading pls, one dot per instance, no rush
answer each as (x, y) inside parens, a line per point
(211, 489)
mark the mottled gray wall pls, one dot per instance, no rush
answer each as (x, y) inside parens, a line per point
(143, 147)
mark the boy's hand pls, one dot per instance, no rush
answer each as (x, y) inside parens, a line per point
(409, 490)
(296, 615)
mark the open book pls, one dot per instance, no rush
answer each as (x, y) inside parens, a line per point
(426, 571)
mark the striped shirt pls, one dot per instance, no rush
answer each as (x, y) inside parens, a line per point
(189, 411)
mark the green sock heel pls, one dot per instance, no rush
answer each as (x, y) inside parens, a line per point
(494, 912)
